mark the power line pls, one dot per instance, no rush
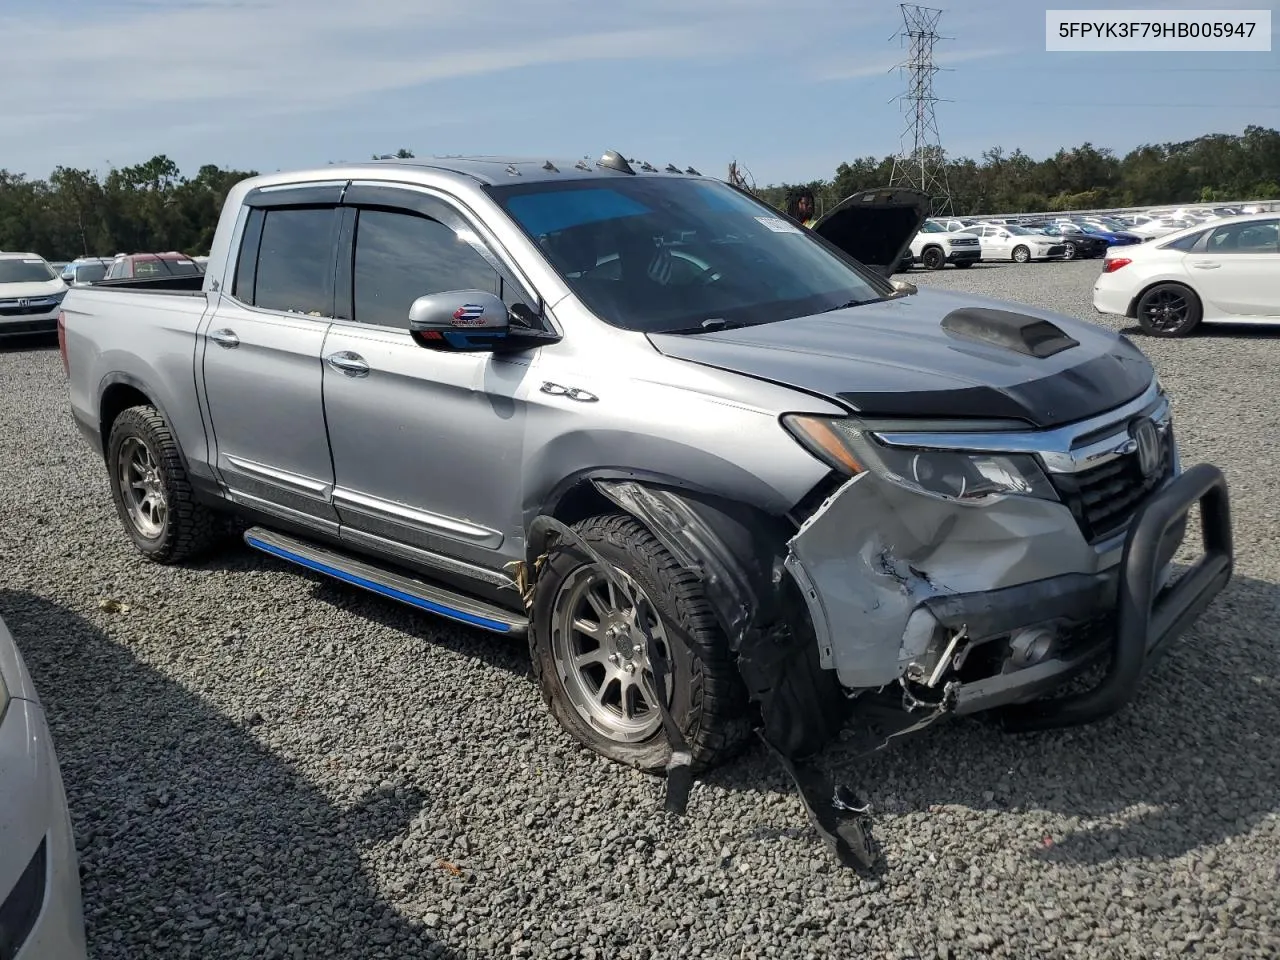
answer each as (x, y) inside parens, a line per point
(920, 162)
(1126, 104)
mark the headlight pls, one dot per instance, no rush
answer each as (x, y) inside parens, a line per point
(969, 477)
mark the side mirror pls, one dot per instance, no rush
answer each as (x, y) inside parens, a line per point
(459, 320)
(904, 287)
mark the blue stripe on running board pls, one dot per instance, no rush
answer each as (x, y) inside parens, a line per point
(485, 623)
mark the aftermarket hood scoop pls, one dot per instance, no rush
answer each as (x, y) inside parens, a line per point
(875, 227)
(1029, 336)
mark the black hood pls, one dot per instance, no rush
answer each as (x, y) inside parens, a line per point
(875, 227)
(935, 354)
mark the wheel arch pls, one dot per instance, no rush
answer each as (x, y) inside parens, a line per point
(1132, 312)
(117, 392)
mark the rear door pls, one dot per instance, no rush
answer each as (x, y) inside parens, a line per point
(260, 356)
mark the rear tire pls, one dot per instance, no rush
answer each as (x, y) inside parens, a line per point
(963, 264)
(1070, 253)
(1169, 310)
(588, 692)
(152, 493)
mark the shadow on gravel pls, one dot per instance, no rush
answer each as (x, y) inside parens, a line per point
(28, 342)
(1195, 750)
(1192, 761)
(1214, 331)
(195, 840)
(504, 653)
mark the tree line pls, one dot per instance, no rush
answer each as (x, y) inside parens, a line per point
(152, 206)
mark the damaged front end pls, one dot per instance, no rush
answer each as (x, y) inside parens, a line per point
(984, 570)
(966, 571)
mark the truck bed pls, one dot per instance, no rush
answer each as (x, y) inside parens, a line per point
(191, 285)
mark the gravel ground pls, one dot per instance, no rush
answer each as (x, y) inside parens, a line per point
(261, 764)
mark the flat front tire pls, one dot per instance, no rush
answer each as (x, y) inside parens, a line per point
(590, 660)
(151, 490)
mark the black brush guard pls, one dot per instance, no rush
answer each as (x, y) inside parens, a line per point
(1147, 619)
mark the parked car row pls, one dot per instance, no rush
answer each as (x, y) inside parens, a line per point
(964, 241)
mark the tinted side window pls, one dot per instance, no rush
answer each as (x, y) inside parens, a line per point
(295, 261)
(402, 256)
(1187, 242)
(1258, 236)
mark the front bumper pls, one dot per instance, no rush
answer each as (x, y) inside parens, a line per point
(41, 916)
(964, 255)
(26, 326)
(975, 608)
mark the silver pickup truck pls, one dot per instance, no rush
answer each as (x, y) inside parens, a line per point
(724, 472)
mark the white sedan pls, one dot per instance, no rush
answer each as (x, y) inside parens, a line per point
(41, 916)
(1008, 241)
(1224, 271)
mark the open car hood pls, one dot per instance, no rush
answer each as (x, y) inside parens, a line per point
(875, 227)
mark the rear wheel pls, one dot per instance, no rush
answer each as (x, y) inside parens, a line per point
(963, 264)
(590, 657)
(152, 493)
(1169, 310)
(1070, 252)
(1021, 254)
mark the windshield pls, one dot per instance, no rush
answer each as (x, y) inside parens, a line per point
(90, 272)
(657, 255)
(1019, 231)
(932, 228)
(25, 270)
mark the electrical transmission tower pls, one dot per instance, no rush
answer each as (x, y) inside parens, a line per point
(920, 163)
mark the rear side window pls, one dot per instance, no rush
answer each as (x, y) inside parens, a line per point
(400, 257)
(293, 269)
(1185, 243)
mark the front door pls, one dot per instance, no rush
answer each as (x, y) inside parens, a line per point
(261, 349)
(427, 445)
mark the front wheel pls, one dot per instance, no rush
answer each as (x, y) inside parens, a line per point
(1169, 310)
(1021, 254)
(933, 259)
(590, 658)
(152, 493)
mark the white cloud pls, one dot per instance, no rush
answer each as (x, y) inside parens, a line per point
(293, 55)
(881, 65)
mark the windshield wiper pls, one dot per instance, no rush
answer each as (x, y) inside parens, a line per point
(851, 303)
(710, 326)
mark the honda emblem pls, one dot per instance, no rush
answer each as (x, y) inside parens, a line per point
(1146, 441)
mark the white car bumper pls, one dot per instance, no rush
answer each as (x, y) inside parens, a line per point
(32, 315)
(1110, 296)
(40, 907)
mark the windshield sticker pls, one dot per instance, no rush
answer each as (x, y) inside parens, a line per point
(778, 226)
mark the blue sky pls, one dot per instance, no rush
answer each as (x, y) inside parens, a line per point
(789, 89)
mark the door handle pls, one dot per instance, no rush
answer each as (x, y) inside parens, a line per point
(352, 364)
(225, 338)
(1206, 265)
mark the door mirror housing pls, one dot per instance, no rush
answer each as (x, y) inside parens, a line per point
(459, 320)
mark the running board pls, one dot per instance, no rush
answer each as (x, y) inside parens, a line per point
(387, 583)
